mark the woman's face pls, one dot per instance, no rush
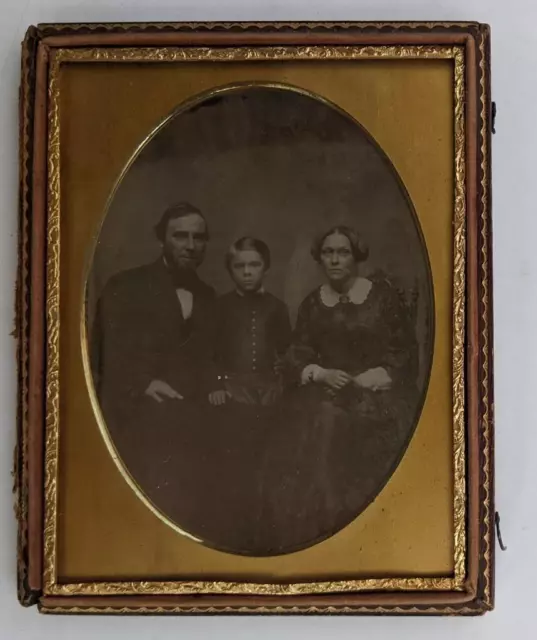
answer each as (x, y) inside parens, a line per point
(337, 259)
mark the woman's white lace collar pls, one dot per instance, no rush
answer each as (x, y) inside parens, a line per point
(357, 294)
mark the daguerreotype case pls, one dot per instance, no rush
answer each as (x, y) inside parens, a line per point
(254, 319)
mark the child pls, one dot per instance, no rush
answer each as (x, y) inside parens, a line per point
(253, 332)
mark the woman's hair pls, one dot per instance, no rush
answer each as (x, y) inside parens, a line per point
(249, 244)
(174, 211)
(359, 249)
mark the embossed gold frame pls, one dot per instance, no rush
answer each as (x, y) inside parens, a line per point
(469, 591)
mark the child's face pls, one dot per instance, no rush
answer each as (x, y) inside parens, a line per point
(247, 270)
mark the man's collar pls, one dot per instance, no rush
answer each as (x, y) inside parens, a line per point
(183, 278)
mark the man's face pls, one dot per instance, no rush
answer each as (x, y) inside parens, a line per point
(247, 270)
(185, 241)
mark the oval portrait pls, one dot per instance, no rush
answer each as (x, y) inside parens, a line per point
(260, 320)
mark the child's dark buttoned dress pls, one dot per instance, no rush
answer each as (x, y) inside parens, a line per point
(253, 334)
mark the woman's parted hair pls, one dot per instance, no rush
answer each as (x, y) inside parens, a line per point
(248, 243)
(359, 249)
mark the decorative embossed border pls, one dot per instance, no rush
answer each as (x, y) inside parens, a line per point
(450, 38)
(126, 55)
(486, 326)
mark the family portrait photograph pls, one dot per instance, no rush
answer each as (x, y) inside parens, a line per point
(260, 319)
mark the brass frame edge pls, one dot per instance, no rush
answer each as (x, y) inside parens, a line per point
(175, 54)
(459, 319)
(52, 432)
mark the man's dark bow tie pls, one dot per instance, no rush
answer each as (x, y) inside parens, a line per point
(186, 279)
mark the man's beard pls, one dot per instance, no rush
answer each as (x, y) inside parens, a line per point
(182, 263)
(183, 274)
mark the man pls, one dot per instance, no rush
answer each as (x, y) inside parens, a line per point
(150, 335)
(151, 357)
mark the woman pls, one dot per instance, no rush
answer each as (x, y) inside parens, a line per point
(353, 366)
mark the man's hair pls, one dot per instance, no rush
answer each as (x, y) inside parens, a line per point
(359, 249)
(174, 211)
(249, 244)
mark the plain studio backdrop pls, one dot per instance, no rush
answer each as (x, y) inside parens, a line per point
(514, 60)
(278, 165)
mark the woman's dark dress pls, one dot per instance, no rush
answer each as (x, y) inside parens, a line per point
(340, 447)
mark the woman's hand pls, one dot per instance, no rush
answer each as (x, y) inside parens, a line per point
(334, 378)
(218, 398)
(377, 379)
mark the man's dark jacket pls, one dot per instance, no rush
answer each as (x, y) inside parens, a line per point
(139, 335)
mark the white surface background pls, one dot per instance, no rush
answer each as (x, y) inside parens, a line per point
(514, 64)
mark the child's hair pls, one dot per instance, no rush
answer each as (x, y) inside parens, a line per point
(248, 244)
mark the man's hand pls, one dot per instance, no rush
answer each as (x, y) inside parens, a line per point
(218, 398)
(279, 366)
(377, 379)
(159, 391)
(334, 378)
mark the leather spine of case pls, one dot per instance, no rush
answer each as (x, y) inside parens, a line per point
(30, 312)
(27, 593)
